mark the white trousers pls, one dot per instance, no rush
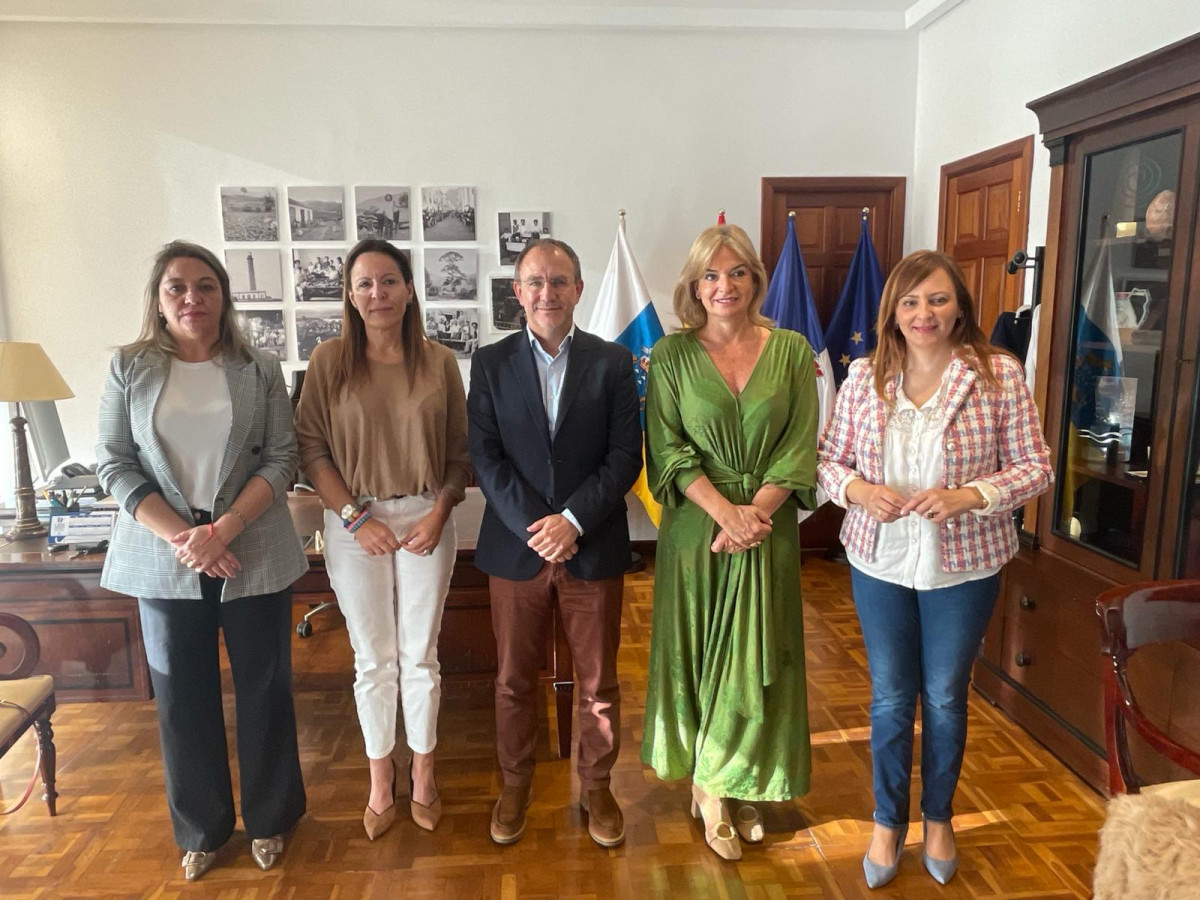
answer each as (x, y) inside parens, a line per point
(393, 608)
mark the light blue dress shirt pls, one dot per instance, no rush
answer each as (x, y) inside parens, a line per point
(552, 373)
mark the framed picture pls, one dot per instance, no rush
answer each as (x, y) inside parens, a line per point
(254, 276)
(454, 327)
(264, 330)
(507, 314)
(249, 214)
(317, 274)
(382, 212)
(316, 214)
(314, 326)
(516, 229)
(448, 213)
(451, 274)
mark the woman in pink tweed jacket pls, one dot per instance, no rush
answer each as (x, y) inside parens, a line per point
(933, 442)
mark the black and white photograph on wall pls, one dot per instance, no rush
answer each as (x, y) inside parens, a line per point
(448, 213)
(382, 212)
(249, 214)
(507, 314)
(453, 327)
(314, 326)
(316, 213)
(254, 276)
(451, 274)
(519, 228)
(317, 274)
(264, 330)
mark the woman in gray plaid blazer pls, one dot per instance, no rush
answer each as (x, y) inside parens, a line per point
(197, 446)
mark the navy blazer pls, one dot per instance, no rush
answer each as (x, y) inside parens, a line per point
(588, 467)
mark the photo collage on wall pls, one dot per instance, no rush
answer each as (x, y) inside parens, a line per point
(285, 250)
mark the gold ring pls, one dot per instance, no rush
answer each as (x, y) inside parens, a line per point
(931, 515)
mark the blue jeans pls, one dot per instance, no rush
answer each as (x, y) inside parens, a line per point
(920, 642)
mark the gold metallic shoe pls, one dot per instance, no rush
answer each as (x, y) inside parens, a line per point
(197, 862)
(749, 824)
(426, 816)
(266, 851)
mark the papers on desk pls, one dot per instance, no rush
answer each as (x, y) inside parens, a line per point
(75, 529)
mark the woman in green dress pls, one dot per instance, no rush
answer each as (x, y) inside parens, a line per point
(731, 422)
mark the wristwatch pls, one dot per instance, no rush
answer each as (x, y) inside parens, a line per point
(349, 513)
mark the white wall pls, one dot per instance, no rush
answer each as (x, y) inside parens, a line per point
(116, 138)
(985, 59)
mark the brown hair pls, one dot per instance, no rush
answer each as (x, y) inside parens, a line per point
(154, 335)
(891, 351)
(550, 244)
(350, 361)
(688, 307)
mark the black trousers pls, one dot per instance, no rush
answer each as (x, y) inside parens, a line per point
(181, 646)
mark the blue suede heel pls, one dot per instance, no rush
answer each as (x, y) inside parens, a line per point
(942, 870)
(877, 876)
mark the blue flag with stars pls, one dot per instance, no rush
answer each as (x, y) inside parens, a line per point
(851, 331)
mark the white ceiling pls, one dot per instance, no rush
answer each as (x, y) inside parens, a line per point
(733, 15)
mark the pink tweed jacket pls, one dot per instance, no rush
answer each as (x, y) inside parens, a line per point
(991, 435)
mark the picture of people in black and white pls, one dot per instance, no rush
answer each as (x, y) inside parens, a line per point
(264, 330)
(249, 214)
(316, 213)
(507, 314)
(317, 274)
(448, 213)
(455, 328)
(519, 228)
(254, 276)
(451, 274)
(382, 212)
(314, 326)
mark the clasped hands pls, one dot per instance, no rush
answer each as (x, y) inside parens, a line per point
(742, 528)
(202, 549)
(554, 538)
(377, 539)
(937, 505)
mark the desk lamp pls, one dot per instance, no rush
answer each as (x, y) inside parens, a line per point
(26, 374)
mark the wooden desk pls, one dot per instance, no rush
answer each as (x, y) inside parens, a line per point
(467, 646)
(91, 638)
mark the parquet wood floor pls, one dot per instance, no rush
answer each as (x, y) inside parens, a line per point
(1027, 826)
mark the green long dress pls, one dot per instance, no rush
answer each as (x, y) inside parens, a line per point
(726, 701)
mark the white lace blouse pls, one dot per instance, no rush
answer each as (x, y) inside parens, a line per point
(909, 550)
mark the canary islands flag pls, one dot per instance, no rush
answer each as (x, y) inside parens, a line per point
(624, 314)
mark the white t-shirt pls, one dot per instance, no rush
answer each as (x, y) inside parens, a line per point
(192, 419)
(909, 550)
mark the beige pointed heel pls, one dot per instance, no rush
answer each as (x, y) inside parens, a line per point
(426, 816)
(376, 823)
(720, 836)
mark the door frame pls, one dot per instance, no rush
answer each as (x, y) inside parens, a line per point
(1020, 149)
(828, 184)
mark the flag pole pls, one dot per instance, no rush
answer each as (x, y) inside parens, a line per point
(865, 211)
(720, 216)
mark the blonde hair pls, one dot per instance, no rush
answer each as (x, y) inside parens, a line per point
(230, 343)
(688, 308)
(891, 351)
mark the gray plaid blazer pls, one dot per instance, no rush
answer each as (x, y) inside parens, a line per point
(131, 464)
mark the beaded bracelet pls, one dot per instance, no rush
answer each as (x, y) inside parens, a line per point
(358, 523)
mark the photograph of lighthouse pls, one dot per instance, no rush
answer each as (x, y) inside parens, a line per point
(254, 276)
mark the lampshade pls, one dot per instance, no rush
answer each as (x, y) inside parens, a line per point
(26, 374)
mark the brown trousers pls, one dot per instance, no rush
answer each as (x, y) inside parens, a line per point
(591, 617)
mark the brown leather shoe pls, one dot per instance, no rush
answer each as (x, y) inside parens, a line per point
(508, 817)
(606, 825)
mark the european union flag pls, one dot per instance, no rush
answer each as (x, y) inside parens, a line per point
(851, 331)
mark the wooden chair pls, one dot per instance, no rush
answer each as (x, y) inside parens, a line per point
(1131, 617)
(33, 694)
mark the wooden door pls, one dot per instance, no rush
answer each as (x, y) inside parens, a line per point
(828, 223)
(828, 215)
(983, 219)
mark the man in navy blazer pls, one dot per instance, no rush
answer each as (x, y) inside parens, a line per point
(556, 442)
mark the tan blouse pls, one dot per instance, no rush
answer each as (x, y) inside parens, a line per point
(383, 438)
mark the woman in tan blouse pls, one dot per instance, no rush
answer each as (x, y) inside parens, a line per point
(382, 428)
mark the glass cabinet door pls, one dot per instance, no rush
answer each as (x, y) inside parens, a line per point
(1115, 364)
